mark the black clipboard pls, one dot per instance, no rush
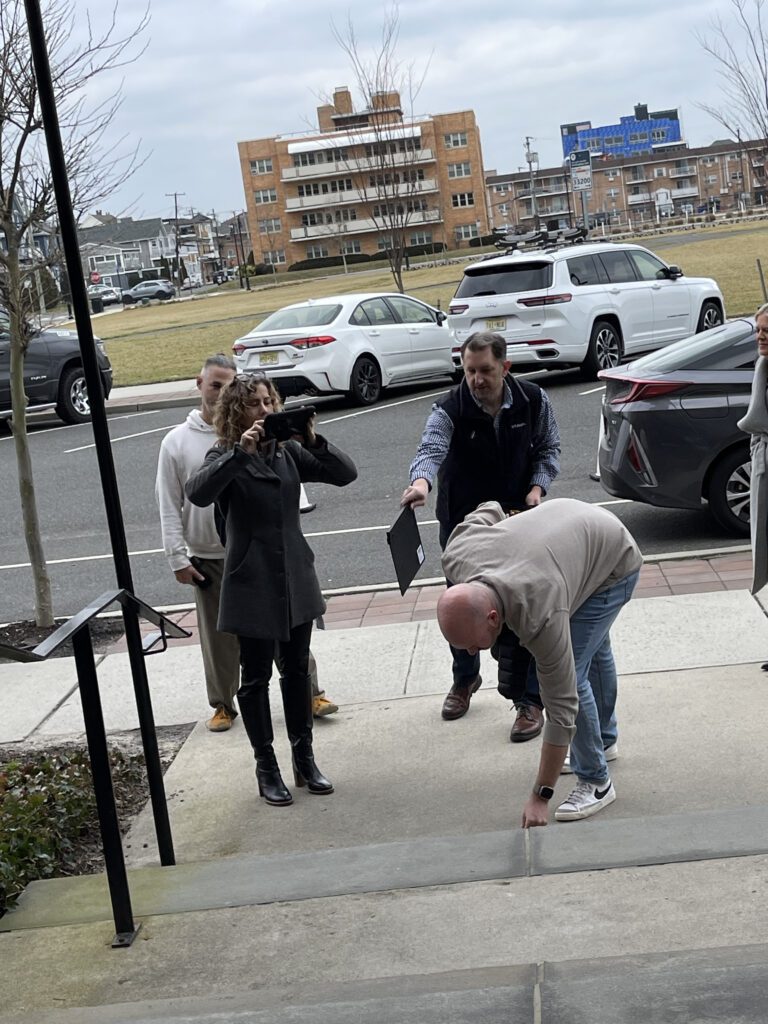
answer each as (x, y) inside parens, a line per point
(406, 547)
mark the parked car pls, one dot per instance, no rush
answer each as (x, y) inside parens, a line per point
(53, 373)
(669, 420)
(159, 289)
(108, 295)
(355, 344)
(588, 305)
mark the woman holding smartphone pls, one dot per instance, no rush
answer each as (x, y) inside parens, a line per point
(270, 594)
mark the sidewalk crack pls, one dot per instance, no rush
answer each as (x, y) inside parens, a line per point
(412, 656)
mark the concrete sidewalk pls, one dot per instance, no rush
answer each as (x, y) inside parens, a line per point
(411, 894)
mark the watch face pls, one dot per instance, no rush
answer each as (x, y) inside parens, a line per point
(545, 792)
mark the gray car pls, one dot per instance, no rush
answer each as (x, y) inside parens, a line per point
(159, 289)
(669, 425)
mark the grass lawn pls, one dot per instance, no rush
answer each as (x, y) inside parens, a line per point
(169, 341)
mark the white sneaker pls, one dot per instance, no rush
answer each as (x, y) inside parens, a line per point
(586, 799)
(611, 753)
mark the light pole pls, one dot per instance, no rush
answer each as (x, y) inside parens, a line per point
(532, 158)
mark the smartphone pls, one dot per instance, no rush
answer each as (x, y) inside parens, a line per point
(282, 426)
(205, 582)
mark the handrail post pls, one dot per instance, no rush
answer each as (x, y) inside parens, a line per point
(125, 927)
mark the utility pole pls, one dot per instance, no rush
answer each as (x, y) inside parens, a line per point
(242, 253)
(532, 158)
(176, 234)
(215, 240)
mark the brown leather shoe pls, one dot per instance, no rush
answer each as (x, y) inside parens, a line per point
(528, 724)
(456, 703)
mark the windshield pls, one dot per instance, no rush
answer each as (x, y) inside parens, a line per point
(490, 280)
(297, 317)
(727, 347)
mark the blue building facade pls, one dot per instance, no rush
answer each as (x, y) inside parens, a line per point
(642, 132)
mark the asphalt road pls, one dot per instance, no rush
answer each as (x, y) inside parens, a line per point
(347, 530)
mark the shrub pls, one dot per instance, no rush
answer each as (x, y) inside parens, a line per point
(48, 816)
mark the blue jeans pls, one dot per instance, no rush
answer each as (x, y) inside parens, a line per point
(596, 678)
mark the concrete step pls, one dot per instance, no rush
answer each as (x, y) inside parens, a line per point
(721, 986)
(252, 880)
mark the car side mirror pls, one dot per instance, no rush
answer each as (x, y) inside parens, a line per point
(674, 272)
(441, 317)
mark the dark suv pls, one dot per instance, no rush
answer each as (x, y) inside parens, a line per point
(53, 373)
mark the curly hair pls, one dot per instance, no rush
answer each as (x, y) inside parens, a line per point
(229, 414)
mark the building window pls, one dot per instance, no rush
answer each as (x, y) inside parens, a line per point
(638, 136)
(265, 195)
(736, 176)
(712, 179)
(421, 238)
(304, 159)
(261, 166)
(594, 145)
(503, 209)
(383, 243)
(659, 172)
(455, 140)
(462, 170)
(269, 225)
(464, 231)
(709, 161)
(463, 199)
(683, 183)
(274, 256)
(316, 252)
(658, 134)
(614, 140)
(611, 175)
(612, 193)
(351, 248)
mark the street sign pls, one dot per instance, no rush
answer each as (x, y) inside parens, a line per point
(581, 170)
(95, 277)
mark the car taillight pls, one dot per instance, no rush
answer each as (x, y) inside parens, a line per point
(459, 308)
(238, 349)
(643, 389)
(546, 300)
(315, 342)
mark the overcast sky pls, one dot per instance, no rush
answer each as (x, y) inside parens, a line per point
(215, 73)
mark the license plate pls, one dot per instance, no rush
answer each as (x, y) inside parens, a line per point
(268, 358)
(495, 325)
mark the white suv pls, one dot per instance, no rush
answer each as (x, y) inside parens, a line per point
(581, 305)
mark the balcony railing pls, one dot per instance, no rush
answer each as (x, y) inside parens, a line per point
(683, 172)
(357, 163)
(680, 193)
(358, 227)
(639, 197)
(361, 195)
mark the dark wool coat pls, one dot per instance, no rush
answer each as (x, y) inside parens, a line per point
(269, 583)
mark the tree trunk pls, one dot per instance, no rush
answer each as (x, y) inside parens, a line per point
(29, 513)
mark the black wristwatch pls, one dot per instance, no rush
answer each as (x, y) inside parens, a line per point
(545, 792)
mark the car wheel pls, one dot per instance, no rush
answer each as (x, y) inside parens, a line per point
(729, 491)
(710, 316)
(73, 405)
(365, 381)
(603, 351)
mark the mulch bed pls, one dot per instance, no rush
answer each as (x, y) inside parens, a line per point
(104, 632)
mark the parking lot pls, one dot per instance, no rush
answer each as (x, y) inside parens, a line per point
(346, 531)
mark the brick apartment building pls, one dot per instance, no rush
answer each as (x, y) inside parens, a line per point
(324, 193)
(631, 191)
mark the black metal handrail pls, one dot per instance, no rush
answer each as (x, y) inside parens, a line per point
(78, 630)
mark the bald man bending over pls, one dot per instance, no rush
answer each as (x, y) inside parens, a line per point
(558, 575)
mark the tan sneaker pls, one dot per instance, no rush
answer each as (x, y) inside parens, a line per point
(321, 707)
(221, 721)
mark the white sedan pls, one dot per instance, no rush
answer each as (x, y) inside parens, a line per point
(353, 344)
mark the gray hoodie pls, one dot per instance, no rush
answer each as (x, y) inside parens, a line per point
(543, 564)
(187, 529)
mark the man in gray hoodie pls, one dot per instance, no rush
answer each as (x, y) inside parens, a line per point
(558, 575)
(190, 533)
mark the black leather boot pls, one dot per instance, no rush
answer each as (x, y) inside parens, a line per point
(255, 713)
(297, 704)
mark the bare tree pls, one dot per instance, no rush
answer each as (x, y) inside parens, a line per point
(391, 175)
(27, 203)
(739, 47)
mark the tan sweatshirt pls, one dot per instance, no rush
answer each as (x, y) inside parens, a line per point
(543, 564)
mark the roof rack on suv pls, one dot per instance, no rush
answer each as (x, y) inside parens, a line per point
(548, 241)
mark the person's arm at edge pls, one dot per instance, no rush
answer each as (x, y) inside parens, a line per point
(429, 457)
(546, 453)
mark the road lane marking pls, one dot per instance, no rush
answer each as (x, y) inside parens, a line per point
(593, 390)
(125, 437)
(382, 408)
